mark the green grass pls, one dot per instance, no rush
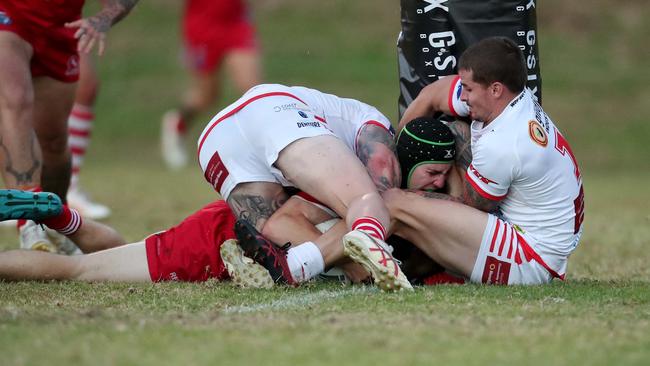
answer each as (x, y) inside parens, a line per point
(594, 66)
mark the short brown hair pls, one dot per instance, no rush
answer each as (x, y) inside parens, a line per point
(495, 59)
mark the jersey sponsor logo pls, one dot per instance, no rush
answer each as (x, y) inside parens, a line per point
(4, 18)
(302, 114)
(537, 133)
(285, 107)
(308, 124)
(216, 172)
(495, 272)
(479, 176)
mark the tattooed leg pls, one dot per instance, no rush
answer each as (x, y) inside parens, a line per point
(25, 174)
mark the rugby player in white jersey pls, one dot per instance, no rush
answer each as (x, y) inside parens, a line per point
(523, 197)
(276, 136)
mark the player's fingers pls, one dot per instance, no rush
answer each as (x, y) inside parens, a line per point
(101, 44)
(91, 43)
(75, 24)
(80, 32)
(81, 44)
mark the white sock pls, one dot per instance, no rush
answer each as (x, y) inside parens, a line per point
(305, 261)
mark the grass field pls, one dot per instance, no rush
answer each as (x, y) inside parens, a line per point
(594, 59)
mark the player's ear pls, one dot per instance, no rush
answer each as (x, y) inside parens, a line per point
(496, 89)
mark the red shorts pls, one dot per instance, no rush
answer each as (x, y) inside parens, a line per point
(213, 28)
(189, 251)
(55, 48)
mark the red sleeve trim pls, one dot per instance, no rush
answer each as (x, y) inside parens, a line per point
(480, 191)
(450, 97)
(371, 122)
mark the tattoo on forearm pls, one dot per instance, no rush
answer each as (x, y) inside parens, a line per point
(112, 12)
(472, 198)
(462, 136)
(371, 150)
(254, 208)
(25, 177)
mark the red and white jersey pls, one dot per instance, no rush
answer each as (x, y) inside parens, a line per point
(343, 116)
(243, 141)
(522, 160)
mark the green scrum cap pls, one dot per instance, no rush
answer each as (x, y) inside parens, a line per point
(424, 141)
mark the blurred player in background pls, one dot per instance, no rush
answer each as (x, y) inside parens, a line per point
(80, 124)
(215, 33)
(434, 33)
(39, 67)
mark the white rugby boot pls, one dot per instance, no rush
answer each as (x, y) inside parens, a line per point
(243, 271)
(33, 237)
(62, 243)
(81, 201)
(172, 141)
(375, 256)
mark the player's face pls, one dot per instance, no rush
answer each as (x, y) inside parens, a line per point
(429, 177)
(477, 97)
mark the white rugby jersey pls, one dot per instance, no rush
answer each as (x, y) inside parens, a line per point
(343, 116)
(521, 160)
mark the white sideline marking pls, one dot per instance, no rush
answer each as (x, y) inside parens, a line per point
(299, 300)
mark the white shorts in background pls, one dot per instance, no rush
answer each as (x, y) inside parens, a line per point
(508, 257)
(242, 143)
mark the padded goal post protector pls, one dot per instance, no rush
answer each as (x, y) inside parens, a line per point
(434, 33)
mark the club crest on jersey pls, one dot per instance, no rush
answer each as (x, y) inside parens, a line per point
(537, 133)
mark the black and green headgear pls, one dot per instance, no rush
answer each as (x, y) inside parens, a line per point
(424, 141)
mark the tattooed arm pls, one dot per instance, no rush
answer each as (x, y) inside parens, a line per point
(256, 202)
(92, 30)
(463, 140)
(376, 150)
(472, 198)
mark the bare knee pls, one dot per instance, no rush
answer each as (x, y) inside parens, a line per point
(17, 101)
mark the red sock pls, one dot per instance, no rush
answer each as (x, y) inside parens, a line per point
(67, 222)
(21, 222)
(181, 127)
(371, 226)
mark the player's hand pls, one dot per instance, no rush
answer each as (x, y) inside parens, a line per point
(91, 31)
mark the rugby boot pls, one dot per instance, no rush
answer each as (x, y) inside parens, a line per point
(62, 243)
(17, 204)
(264, 252)
(374, 255)
(33, 237)
(243, 271)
